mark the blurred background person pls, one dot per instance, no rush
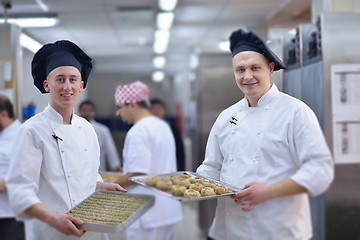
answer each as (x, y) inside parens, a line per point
(10, 229)
(108, 153)
(149, 148)
(158, 109)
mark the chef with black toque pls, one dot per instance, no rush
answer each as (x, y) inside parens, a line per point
(270, 146)
(56, 157)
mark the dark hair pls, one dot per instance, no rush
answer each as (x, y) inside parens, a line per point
(158, 101)
(87, 102)
(142, 104)
(6, 105)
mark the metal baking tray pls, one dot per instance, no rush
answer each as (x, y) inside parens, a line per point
(141, 181)
(110, 174)
(107, 228)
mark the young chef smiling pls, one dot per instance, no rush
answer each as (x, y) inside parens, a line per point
(270, 145)
(56, 159)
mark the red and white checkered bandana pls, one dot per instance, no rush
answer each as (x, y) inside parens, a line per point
(132, 93)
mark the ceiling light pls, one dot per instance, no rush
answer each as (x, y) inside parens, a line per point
(29, 43)
(167, 5)
(42, 5)
(158, 76)
(224, 46)
(161, 41)
(159, 61)
(164, 20)
(32, 22)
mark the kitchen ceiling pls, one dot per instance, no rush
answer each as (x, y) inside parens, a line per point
(119, 34)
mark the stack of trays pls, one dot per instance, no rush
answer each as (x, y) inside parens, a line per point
(185, 186)
(109, 211)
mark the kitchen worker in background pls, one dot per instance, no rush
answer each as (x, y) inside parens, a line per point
(149, 148)
(108, 152)
(55, 161)
(158, 109)
(271, 146)
(10, 229)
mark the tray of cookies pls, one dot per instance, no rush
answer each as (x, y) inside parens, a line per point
(111, 211)
(185, 186)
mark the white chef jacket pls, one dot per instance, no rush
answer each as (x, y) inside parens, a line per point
(59, 173)
(107, 146)
(149, 148)
(7, 139)
(278, 140)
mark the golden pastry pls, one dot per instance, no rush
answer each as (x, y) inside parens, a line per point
(196, 186)
(164, 185)
(210, 183)
(221, 189)
(185, 175)
(208, 191)
(191, 193)
(175, 180)
(151, 181)
(197, 180)
(184, 182)
(178, 190)
(167, 178)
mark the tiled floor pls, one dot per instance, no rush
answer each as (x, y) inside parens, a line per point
(188, 228)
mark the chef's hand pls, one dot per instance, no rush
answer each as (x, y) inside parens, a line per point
(2, 185)
(66, 224)
(118, 169)
(109, 186)
(253, 194)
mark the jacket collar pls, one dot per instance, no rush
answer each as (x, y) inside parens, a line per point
(268, 98)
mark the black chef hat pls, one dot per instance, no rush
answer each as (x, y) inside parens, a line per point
(241, 41)
(58, 54)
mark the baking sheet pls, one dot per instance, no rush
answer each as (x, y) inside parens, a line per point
(95, 227)
(141, 181)
(106, 175)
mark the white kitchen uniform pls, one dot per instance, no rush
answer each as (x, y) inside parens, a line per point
(149, 148)
(7, 139)
(278, 140)
(108, 150)
(53, 164)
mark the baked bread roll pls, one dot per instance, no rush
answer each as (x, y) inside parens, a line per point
(197, 180)
(178, 190)
(210, 183)
(191, 193)
(151, 181)
(174, 180)
(196, 186)
(167, 178)
(184, 182)
(164, 185)
(221, 189)
(185, 175)
(207, 191)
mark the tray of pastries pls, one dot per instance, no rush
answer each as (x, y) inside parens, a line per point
(106, 175)
(185, 186)
(110, 211)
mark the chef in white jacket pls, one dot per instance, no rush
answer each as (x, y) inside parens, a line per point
(271, 146)
(149, 148)
(55, 161)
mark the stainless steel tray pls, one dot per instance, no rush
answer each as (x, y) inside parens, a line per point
(106, 228)
(141, 181)
(109, 174)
